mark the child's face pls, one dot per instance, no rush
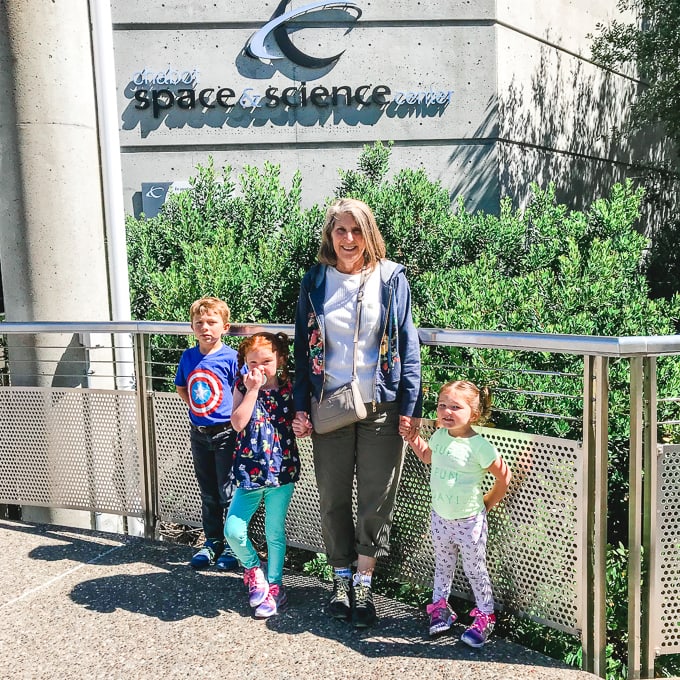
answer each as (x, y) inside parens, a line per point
(454, 412)
(209, 327)
(266, 360)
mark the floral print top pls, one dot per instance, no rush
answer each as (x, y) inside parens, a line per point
(266, 451)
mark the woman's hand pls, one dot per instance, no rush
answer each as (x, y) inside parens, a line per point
(409, 427)
(302, 425)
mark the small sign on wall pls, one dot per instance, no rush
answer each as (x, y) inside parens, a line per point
(154, 195)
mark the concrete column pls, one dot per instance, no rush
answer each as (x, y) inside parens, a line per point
(52, 243)
(52, 246)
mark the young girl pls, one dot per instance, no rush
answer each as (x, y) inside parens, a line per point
(460, 459)
(266, 464)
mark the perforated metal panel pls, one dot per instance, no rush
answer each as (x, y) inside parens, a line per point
(178, 495)
(536, 534)
(666, 631)
(69, 448)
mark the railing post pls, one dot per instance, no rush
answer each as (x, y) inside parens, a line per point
(650, 614)
(595, 440)
(637, 423)
(145, 440)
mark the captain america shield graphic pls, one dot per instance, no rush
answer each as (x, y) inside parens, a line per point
(205, 392)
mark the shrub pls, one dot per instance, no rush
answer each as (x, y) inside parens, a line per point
(249, 248)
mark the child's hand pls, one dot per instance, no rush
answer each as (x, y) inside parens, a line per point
(302, 425)
(254, 379)
(411, 437)
(409, 427)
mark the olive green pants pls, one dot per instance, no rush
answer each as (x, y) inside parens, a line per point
(372, 451)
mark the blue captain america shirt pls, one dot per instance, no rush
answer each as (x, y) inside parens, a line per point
(209, 379)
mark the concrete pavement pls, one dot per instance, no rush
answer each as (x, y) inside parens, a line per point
(83, 604)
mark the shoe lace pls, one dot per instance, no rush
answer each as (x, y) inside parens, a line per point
(250, 577)
(340, 588)
(436, 606)
(481, 621)
(362, 595)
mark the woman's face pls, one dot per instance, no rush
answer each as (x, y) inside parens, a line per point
(348, 243)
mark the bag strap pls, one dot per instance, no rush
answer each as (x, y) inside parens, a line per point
(360, 299)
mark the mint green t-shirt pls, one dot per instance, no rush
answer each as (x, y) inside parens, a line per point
(459, 465)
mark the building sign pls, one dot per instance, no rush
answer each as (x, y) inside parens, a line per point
(178, 88)
(277, 26)
(154, 195)
(160, 100)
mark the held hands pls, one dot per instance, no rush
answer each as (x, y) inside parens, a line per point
(409, 427)
(302, 425)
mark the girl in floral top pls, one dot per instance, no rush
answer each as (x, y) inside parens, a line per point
(266, 464)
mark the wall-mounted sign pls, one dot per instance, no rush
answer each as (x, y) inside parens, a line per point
(159, 100)
(154, 195)
(160, 91)
(277, 26)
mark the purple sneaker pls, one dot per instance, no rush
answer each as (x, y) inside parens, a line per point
(442, 617)
(478, 633)
(273, 603)
(258, 588)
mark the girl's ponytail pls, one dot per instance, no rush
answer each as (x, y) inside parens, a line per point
(484, 404)
(283, 348)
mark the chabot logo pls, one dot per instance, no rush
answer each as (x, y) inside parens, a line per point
(276, 31)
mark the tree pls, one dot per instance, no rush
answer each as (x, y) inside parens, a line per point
(653, 44)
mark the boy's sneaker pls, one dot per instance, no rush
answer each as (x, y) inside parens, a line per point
(207, 555)
(258, 588)
(442, 617)
(227, 560)
(273, 603)
(478, 633)
(364, 609)
(340, 604)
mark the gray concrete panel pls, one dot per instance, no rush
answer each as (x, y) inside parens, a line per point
(458, 59)
(260, 11)
(566, 23)
(554, 100)
(467, 170)
(578, 180)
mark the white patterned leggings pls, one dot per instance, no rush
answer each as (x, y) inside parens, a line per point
(467, 536)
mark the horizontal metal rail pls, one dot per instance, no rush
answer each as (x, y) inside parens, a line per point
(626, 346)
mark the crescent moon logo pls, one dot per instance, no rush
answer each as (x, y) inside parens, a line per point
(256, 48)
(155, 192)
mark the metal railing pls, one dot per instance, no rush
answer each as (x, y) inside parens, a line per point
(70, 437)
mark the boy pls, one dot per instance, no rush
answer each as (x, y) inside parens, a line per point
(205, 379)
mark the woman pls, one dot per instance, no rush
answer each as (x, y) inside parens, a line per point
(352, 254)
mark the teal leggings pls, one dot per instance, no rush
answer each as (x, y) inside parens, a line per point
(243, 506)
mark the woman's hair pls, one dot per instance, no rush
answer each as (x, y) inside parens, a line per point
(209, 304)
(363, 216)
(478, 399)
(277, 342)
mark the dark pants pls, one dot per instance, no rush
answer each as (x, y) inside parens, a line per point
(213, 456)
(373, 451)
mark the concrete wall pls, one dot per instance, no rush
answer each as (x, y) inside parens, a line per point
(527, 103)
